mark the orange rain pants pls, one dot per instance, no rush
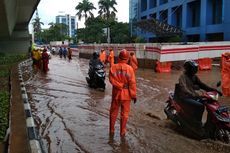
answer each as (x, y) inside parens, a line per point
(122, 78)
(133, 62)
(103, 56)
(111, 58)
(225, 73)
(114, 109)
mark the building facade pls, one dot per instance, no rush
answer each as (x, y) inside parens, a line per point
(70, 21)
(201, 20)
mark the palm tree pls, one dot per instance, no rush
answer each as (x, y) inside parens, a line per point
(107, 11)
(84, 9)
(37, 26)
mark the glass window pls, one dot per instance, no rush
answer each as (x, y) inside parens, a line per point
(143, 5)
(163, 2)
(152, 3)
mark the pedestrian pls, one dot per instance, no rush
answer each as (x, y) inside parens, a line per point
(103, 56)
(35, 58)
(122, 78)
(64, 52)
(60, 52)
(45, 60)
(133, 61)
(69, 53)
(111, 57)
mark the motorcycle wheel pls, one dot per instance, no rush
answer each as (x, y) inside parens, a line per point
(171, 113)
(222, 135)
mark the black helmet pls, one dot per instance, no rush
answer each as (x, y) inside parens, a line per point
(191, 67)
(95, 55)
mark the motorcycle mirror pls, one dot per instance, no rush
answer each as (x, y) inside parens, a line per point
(218, 84)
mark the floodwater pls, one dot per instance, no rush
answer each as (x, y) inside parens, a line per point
(71, 117)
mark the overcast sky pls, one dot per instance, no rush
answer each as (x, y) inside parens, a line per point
(48, 9)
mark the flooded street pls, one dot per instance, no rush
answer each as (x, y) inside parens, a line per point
(72, 118)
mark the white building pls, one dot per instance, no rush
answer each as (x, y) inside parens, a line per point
(70, 21)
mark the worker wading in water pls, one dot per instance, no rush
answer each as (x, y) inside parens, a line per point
(133, 61)
(111, 57)
(103, 56)
(122, 78)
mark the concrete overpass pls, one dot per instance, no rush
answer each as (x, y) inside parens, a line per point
(15, 16)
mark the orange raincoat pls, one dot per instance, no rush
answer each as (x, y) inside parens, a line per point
(133, 62)
(122, 78)
(103, 56)
(225, 73)
(111, 58)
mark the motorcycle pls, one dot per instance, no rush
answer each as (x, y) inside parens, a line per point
(96, 77)
(217, 126)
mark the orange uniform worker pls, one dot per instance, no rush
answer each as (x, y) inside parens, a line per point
(111, 57)
(133, 61)
(225, 73)
(122, 78)
(103, 56)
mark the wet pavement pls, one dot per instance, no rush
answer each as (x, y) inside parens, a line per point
(71, 117)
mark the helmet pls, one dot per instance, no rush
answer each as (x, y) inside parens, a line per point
(191, 67)
(124, 55)
(95, 55)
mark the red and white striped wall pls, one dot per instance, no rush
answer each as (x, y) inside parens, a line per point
(164, 52)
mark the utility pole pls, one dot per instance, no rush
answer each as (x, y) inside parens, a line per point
(108, 35)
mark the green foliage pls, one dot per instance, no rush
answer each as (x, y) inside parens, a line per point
(94, 33)
(4, 73)
(37, 26)
(4, 111)
(84, 9)
(107, 9)
(139, 40)
(119, 32)
(12, 58)
(175, 39)
(57, 31)
(5, 63)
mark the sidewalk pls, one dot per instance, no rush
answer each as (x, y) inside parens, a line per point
(18, 141)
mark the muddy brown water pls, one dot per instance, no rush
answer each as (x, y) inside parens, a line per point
(71, 117)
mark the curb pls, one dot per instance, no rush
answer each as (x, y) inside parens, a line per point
(34, 142)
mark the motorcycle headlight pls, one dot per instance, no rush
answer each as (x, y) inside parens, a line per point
(215, 97)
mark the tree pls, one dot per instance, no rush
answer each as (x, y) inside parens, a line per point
(56, 32)
(84, 8)
(107, 11)
(37, 27)
(95, 34)
(93, 31)
(120, 32)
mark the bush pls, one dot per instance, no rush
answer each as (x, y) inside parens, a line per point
(4, 111)
(10, 59)
(6, 61)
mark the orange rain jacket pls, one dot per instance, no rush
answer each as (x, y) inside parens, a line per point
(123, 79)
(103, 56)
(133, 62)
(225, 73)
(111, 58)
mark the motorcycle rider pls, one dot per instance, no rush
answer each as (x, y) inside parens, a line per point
(188, 95)
(92, 63)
